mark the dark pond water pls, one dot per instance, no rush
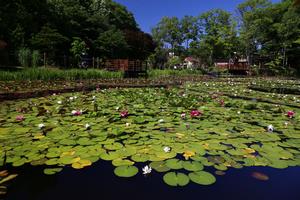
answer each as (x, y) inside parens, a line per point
(99, 182)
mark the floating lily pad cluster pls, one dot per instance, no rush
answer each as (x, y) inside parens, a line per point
(185, 133)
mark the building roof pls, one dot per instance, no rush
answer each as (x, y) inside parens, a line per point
(190, 59)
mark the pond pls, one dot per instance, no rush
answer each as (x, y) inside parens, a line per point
(211, 139)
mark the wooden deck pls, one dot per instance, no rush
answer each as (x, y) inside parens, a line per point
(131, 68)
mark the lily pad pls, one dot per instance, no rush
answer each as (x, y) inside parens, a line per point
(126, 171)
(202, 178)
(176, 179)
(159, 166)
(192, 165)
(51, 171)
(174, 164)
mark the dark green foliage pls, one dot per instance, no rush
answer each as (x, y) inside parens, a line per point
(50, 26)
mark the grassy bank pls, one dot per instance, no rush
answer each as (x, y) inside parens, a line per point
(47, 74)
(155, 73)
(51, 74)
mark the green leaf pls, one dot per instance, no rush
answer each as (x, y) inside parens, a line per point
(192, 165)
(202, 178)
(126, 171)
(176, 179)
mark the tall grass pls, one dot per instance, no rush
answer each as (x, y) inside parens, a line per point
(156, 73)
(35, 58)
(24, 56)
(48, 74)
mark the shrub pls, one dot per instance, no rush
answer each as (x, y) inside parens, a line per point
(35, 58)
(24, 57)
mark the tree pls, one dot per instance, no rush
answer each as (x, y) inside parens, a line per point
(220, 33)
(50, 41)
(112, 44)
(270, 31)
(78, 48)
(189, 29)
(168, 32)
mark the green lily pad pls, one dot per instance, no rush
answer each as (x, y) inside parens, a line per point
(176, 179)
(51, 171)
(120, 162)
(159, 166)
(174, 164)
(192, 165)
(126, 171)
(202, 178)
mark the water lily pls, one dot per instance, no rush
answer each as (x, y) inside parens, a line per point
(167, 149)
(71, 98)
(87, 126)
(222, 103)
(94, 97)
(147, 170)
(41, 126)
(124, 113)
(161, 120)
(290, 114)
(59, 102)
(286, 124)
(76, 112)
(195, 113)
(188, 154)
(20, 118)
(239, 112)
(183, 115)
(127, 124)
(270, 128)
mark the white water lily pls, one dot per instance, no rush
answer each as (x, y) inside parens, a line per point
(41, 126)
(147, 170)
(71, 98)
(239, 112)
(59, 102)
(87, 126)
(167, 149)
(161, 120)
(94, 97)
(117, 108)
(270, 128)
(75, 97)
(286, 124)
(127, 124)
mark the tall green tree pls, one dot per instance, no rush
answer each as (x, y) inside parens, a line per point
(189, 29)
(220, 35)
(167, 32)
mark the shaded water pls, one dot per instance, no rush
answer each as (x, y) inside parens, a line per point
(99, 182)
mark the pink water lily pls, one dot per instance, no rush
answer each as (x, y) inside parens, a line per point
(183, 115)
(20, 118)
(124, 113)
(222, 102)
(76, 112)
(290, 114)
(195, 113)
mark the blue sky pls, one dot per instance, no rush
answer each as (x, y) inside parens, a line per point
(149, 12)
